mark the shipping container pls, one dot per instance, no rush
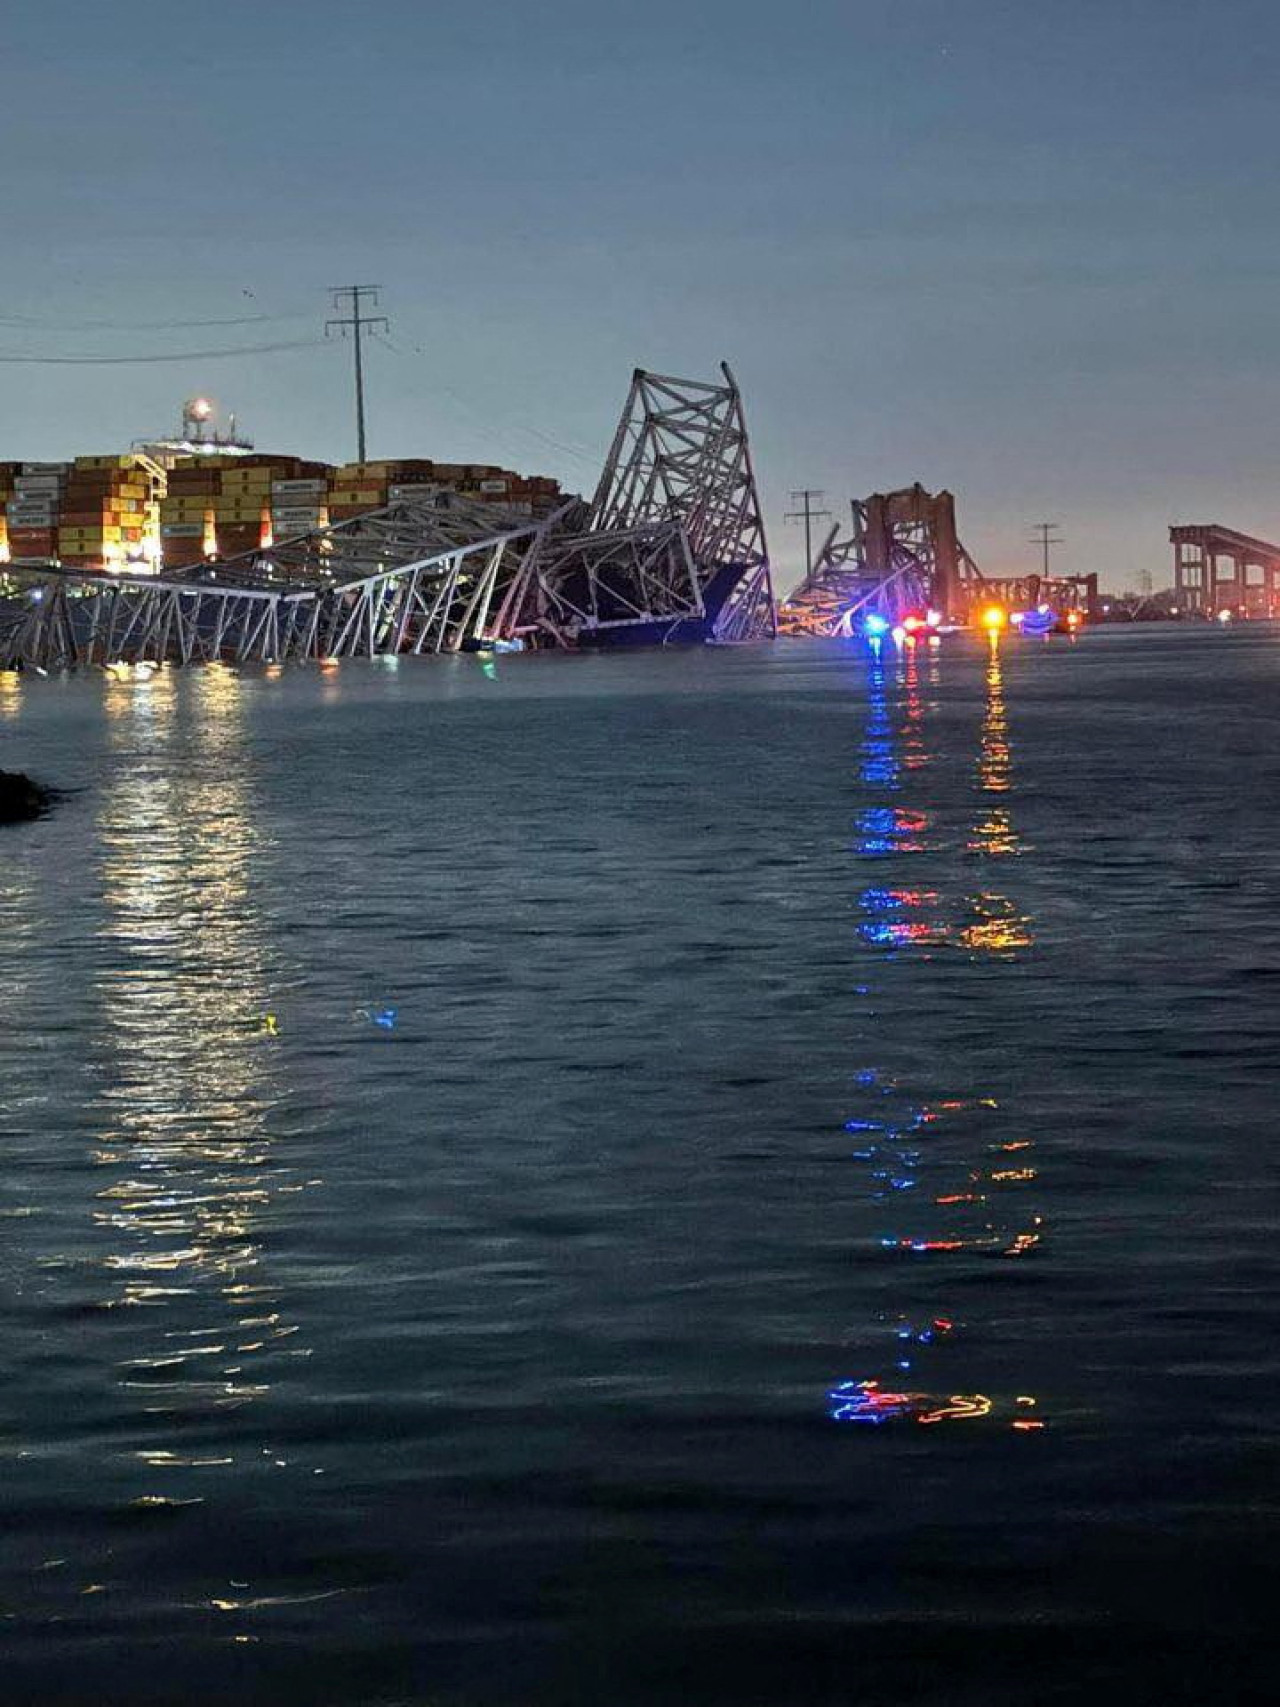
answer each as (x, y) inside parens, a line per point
(299, 488)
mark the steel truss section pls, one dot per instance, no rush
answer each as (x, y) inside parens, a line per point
(674, 534)
(396, 538)
(62, 620)
(673, 540)
(623, 578)
(474, 582)
(901, 554)
(440, 603)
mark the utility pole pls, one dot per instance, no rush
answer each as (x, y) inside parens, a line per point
(352, 298)
(1044, 535)
(808, 515)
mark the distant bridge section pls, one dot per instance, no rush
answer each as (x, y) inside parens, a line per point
(1217, 569)
(903, 554)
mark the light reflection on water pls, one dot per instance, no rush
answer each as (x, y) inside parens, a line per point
(10, 693)
(999, 927)
(931, 1158)
(185, 1148)
(594, 1245)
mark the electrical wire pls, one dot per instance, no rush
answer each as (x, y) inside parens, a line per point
(32, 322)
(579, 454)
(177, 356)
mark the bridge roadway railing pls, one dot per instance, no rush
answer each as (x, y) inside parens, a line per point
(58, 618)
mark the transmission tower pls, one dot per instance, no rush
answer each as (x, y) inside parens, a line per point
(808, 515)
(353, 298)
(1046, 534)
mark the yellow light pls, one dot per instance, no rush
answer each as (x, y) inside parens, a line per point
(993, 618)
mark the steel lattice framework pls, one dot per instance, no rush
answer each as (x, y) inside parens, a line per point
(671, 547)
(674, 538)
(901, 554)
(431, 575)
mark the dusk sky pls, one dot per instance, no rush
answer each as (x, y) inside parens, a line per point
(1027, 251)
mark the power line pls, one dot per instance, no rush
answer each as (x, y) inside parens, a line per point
(492, 427)
(177, 356)
(570, 449)
(34, 324)
(352, 297)
(808, 515)
(1045, 534)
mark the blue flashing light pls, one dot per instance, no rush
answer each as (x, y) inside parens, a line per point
(1039, 621)
(384, 1018)
(874, 626)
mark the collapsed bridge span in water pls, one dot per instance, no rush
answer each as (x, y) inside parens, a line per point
(903, 555)
(671, 548)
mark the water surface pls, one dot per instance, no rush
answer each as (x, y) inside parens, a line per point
(712, 1177)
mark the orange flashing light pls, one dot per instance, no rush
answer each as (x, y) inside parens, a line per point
(994, 618)
(962, 1407)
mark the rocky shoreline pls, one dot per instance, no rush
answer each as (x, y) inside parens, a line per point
(21, 800)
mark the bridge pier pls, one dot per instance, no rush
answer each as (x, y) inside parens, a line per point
(1216, 569)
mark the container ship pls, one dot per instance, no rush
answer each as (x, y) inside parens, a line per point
(172, 503)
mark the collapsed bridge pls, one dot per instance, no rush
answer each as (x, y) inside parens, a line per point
(671, 548)
(903, 554)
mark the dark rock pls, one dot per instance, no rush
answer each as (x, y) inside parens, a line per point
(21, 799)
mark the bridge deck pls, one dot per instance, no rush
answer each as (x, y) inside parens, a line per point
(1212, 536)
